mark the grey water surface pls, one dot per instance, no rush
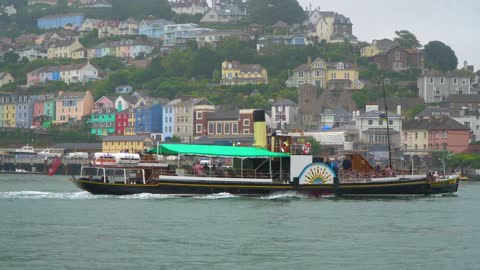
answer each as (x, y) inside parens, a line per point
(47, 223)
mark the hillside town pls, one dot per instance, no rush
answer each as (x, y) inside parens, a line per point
(313, 77)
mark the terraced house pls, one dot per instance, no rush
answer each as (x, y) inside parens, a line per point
(103, 116)
(63, 48)
(73, 106)
(68, 73)
(8, 110)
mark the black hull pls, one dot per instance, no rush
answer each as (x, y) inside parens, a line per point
(419, 187)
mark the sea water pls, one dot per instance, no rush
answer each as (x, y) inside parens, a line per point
(47, 223)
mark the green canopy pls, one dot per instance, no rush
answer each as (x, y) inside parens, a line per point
(214, 151)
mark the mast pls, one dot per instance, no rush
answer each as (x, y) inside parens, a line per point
(388, 125)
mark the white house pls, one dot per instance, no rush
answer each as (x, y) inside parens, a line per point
(32, 53)
(372, 126)
(190, 7)
(284, 114)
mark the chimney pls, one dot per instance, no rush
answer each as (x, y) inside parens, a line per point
(399, 110)
(309, 60)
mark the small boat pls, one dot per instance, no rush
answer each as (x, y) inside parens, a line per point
(25, 150)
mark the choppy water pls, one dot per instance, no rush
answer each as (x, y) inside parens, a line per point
(46, 223)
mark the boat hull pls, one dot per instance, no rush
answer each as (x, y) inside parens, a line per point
(418, 187)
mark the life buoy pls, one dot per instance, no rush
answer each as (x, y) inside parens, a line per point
(306, 148)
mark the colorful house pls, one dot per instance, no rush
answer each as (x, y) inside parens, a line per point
(168, 119)
(44, 111)
(24, 111)
(121, 121)
(103, 116)
(108, 28)
(68, 73)
(132, 144)
(233, 73)
(148, 119)
(8, 110)
(73, 106)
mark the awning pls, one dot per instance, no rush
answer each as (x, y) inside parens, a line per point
(214, 151)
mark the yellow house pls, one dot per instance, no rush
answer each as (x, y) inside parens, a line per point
(414, 138)
(369, 51)
(341, 76)
(130, 128)
(80, 53)
(233, 73)
(5, 78)
(377, 47)
(134, 143)
(8, 113)
(63, 49)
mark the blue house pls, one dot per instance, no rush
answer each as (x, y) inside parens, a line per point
(149, 119)
(168, 119)
(60, 21)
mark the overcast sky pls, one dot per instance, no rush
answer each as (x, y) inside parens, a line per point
(456, 23)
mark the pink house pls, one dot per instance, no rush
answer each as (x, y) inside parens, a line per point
(448, 134)
(103, 102)
(73, 106)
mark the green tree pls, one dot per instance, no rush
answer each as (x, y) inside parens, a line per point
(11, 58)
(268, 12)
(440, 56)
(124, 9)
(407, 39)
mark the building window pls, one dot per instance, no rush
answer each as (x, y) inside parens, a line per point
(390, 122)
(199, 128)
(397, 56)
(300, 74)
(246, 122)
(234, 128)
(211, 128)
(442, 80)
(227, 128)
(219, 128)
(370, 122)
(333, 75)
(347, 75)
(246, 131)
(199, 115)
(431, 80)
(380, 122)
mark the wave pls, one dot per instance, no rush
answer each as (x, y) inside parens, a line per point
(81, 195)
(216, 196)
(284, 195)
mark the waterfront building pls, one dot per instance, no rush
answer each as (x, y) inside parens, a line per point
(132, 144)
(8, 111)
(284, 114)
(148, 119)
(44, 111)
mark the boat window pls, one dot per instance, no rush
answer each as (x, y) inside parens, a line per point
(115, 175)
(91, 171)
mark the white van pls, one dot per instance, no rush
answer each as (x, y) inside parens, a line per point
(79, 155)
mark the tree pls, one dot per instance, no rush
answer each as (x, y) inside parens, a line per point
(268, 12)
(407, 39)
(440, 56)
(11, 57)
